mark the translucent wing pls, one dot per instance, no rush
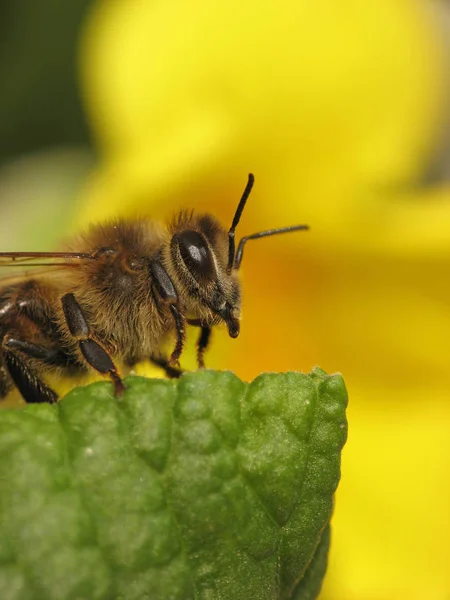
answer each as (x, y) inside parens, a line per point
(40, 259)
(50, 262)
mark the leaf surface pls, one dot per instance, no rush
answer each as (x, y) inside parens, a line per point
(205, 487)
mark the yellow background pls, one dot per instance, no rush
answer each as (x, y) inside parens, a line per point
(340, 109)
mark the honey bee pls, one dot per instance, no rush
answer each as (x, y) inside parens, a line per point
(115, 294)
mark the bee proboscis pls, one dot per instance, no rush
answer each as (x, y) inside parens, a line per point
(115, 294)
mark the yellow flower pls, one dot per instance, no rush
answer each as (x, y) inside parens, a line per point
(336, 108)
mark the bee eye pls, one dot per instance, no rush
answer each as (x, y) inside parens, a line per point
(195, 253)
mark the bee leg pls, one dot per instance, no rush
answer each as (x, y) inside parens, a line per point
(165, 289)
(203, 340)
(50, 356)
(95, 355)
(171, 372)
(29, 385)
(202, 344)
(180, 333)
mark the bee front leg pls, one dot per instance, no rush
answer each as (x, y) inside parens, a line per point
(203, 340)
(202, 344)
(180, 330)
(168, 296)
(95, 355)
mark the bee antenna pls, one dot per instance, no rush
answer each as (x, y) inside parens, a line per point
(236, 219)
(261, 234)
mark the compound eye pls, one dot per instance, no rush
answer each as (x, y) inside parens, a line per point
(195, 253)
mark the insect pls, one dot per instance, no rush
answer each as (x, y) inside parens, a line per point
(116, 294)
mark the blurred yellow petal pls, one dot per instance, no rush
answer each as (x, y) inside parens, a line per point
(392, 523)
(337, 108)
(345, 95)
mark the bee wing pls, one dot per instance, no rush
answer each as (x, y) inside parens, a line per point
(18, 277)
(50, 262)
(47, 259)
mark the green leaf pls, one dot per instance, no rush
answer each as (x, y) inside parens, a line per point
(202, 488)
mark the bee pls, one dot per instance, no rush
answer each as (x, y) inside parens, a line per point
(116, 293)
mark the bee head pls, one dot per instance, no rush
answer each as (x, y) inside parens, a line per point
(204, 257)
(199, 256)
